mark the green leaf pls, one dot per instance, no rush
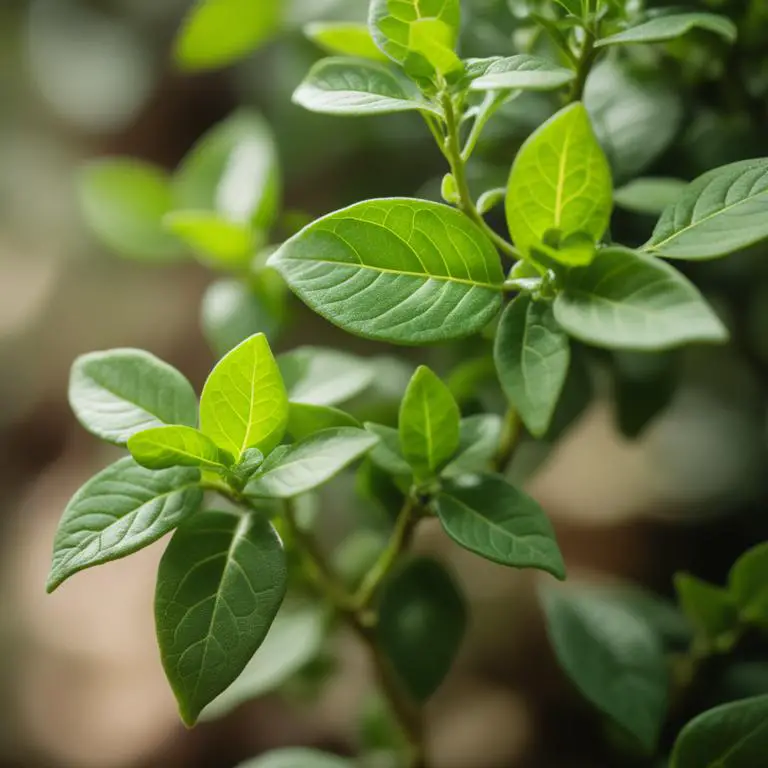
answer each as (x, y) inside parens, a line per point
(305, 420)
(340, 86)
(346, 38)
(732, 735)
(422, 620)
(220, 243)
(632, 300)
(386, 454)
(614, 658)
(217, 33)
(429, 424)
(400, 270)
(244, 403)
(522, 72)
(560, 181)
(296, 757)
(492, 518)
(119, 392)
(532, 356)
(219, 585)
(309, 463)
(671, 26)
(720, 212)
(165, 447)
(490, 199)
(434, 40)
(710, 610)
(119, 511)
(233, 172)
(748, 584)
(294, 639)
(478, 443)
(321, 376)
(391, 22)
(124, 202)
(649, 195)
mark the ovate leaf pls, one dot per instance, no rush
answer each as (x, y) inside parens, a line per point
(422, 619)
(732, 735)
(305, 420)
(671, 26)
(649, 195)
(429, 424)
(244, 403)
(341, 86)
(632, 300)
(219, 242)
(748, 584)
(120, 510)
(219, 586)
(532, 356)
(164, 447)
(119, 392)
(296, 757)
(720, 212)
(560, 182)
(346, 38)
(401, 270)
(614, 658)
(522, 72)
(309, 463)
(492, 518)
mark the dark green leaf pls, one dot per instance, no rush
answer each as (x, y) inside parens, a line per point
(748, 584)
(305, 420)
(671, 26)
(522, 72)
(710, 609)
(165, 447)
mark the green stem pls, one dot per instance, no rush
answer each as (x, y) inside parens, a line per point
(583, 66)
(492, 102)
(511, 432)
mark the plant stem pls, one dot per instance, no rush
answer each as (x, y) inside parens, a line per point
(583, 66)
(511, 432)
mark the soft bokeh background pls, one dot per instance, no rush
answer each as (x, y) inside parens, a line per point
(80, 681)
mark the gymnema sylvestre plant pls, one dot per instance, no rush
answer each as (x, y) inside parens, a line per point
(233, 473)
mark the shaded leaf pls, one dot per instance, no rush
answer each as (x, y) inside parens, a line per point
(671, 26)
(305, 420)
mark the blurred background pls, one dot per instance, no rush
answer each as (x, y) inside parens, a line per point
(659, 463)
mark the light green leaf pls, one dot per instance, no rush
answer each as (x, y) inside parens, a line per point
(560, 182)
(710, 610)
(522, 72)
(346, 38)
(119, 511)
(165, 447)
(478, 444)
(305, 420)
(401, 270)
(386, 454)
(309, 463)
(124, 202)
(219, 242)
(296, 757)
(422, 620)
(732, 735)
(490, 199)
(340, 86)
(748, 584)
(614, 658)
(532, 356)
(244, 403)
(321, 376)
(294, 639)
(119, 392)
(632, 300)
(492, 518)
(649, 195)
(429, 424)
(233, 172)
(434, 40)
(219, 585)
(671, 26)
(720, 212)
(217, 33)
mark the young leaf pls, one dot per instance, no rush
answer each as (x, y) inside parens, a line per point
(532, 356)
(733, 735)
(386, 454)
(720, 212)
(401, 270)
(422, 619)
(492, 518)
(345, 38)
(522, 72)
(209, 39)
(614, 658)
(632, 300)
(219, 586)
(305, 420)
(119, 511)
(560, 181)
(748, 584)
(309, 463)
(341, 86)
(478, 443)
(296, 757)
(649, 195)
(164, 447)
(710, 610)
(124, 202)
(244, 403)
(219, 242)
(429, 424)
(119, 392)
(434, 40)
(321, 376)
(671, 26)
